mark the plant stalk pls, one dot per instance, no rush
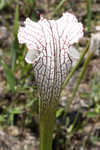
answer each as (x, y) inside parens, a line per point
(47, 123)
(89, 14)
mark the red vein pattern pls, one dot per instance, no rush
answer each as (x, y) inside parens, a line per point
(48, 43)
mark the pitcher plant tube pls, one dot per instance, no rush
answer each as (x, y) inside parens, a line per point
(50, 53)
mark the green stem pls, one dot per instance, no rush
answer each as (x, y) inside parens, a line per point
(84, 69)
(89, 15)
(58, 7)
(47, 123)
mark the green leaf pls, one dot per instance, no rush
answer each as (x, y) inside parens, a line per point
(58, 113)
(84, 95)
(16, 21)
(12, 111)
(14, 48)
(9, 76)
(95, 139)
(15, 45)
(2, 3)
(92, 114)
(2, 119)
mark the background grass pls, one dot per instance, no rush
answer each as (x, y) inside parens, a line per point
(19, 96)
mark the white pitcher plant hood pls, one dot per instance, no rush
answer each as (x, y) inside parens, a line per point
(48, 43)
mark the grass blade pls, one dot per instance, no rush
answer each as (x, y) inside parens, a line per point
(15, 45)
(9, 76)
